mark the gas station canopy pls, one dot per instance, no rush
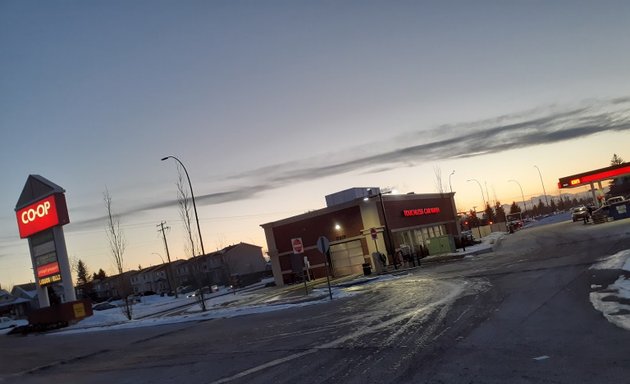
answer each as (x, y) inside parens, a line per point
(598, 175)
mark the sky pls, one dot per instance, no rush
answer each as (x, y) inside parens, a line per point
(273, 105)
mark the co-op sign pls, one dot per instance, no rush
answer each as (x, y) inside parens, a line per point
(43, 214)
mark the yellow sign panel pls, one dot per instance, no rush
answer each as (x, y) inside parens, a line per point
(79, 310)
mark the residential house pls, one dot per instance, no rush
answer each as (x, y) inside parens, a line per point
(11, 305)
(240, 264)
(114, 286)
(28, 292)
(151, 279)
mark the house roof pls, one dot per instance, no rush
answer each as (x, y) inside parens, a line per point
(17, 300)
(28, 290)
(27, 286)
(231, 247)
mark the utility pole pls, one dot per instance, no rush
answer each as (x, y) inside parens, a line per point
(163, 229)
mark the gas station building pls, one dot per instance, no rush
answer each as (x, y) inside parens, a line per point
(359, 222)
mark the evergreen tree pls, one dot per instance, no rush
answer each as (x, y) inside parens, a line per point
(514, 208)
(616, 160)
(101, 275)
(499, 213)
(473, 220)
(83, 277)
(489, 213)
(619, 186)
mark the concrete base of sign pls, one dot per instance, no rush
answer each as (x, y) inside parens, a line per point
(377, 261)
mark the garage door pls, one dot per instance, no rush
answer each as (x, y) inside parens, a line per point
(347, 258)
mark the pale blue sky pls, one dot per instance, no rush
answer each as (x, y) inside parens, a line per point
(279, 103)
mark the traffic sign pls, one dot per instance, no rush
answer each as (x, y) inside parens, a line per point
(298, 246)
(323, 244)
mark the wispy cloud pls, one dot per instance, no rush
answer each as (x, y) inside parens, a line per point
(540, 126)
(545, 125)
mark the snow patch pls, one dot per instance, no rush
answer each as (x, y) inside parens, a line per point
(608, 302)
(619, 260)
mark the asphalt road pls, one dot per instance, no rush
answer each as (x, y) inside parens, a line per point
(518, 315)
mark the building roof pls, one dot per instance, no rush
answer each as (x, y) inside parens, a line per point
(351, 203)
(28, 290)
(229, 248)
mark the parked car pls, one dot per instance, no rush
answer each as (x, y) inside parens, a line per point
(205, 290)
(185, 289)
(579, 213)
(7, 322)
(103, 306)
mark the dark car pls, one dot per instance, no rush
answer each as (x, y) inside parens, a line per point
(103, 306)
(579, 213)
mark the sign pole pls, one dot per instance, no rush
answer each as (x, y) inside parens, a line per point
(374, 237)
(328, 274)
(323, 244)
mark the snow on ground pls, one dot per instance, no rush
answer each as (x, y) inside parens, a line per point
(607, 300)
(113, 318)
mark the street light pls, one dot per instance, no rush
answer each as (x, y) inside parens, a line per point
(192, 194)
(449, 181)
(543, 185)
(522, 196)
(480, 189)
(386, 235)
(161, 258)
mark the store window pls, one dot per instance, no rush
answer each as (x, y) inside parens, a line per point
(416, 239)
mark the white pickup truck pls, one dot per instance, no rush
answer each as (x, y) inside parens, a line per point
(616, 199)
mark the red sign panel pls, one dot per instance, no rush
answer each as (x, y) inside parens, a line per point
(421, 211)
(44, 214)
(47, 270)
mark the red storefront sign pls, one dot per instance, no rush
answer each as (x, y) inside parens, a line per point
(43, 214)
(47, 270)
(421, 211)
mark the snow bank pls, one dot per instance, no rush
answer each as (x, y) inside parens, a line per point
(607, 301)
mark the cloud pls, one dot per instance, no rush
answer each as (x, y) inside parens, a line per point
(544, 125)
(535, 127)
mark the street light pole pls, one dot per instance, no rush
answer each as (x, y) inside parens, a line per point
(522, 196)
(386, 235)
(480, 189)
(543, 185)
(161, 258)
(449, 181)
(169, 272)
(192, 194)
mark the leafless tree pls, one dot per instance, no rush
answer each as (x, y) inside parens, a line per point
(117, 245)
(183, 199)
